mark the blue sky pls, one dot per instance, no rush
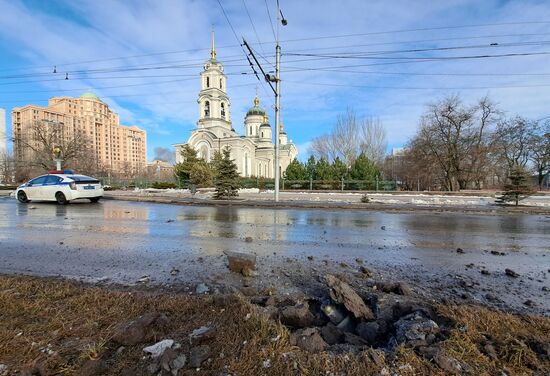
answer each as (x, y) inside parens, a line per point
(98, 42)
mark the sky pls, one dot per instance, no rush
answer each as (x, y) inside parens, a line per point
(383, 59)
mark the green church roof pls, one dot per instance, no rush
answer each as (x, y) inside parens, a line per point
(256, 109)
(90, 95)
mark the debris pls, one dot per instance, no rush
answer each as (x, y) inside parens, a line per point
(366, 271)
(511, 273)
(158, 348)
(297, 316)
(266, 363)
(174, 271)
(460, 250)
(91, 367)
(144, 279)
(202, 289)
(331, 334)
(248, 239)
(169, 221)
(342, 293)
(368, 331)
(413, 328)
(198, 355)
(139, 330)
(448, 364)
(485, 272)
(308, 339)
(399, 288)
(201, 334)
(529, 303)
(240, 262)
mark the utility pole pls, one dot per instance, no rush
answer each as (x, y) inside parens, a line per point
(277, 91)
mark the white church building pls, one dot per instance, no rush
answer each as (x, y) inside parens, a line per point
(253, 153)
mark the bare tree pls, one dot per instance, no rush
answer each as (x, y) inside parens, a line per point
(373, 141)
(539, 150)
(456, 137)
(349, 138)
(34, 149)
(7, 168)
(511, 140)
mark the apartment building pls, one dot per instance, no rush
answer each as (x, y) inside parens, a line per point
(117, 148)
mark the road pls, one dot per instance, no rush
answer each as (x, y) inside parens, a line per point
(123, 241)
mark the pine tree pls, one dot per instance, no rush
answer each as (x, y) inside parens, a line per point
(323, 170)
(363, 169)
(310, 167)
(227, 178)
(296, 171)
(183, 169)
(518, 188)
(339, 169)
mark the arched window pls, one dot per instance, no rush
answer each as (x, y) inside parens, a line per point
(223, 110)
(207, 81)
(206, 109)
(251, 130)
(221, 86)
(262, 134)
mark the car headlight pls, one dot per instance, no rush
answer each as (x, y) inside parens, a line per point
(72, 185)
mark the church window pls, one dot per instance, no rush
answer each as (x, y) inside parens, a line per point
(223, 110)
(207, 81)
(221, 86)
(262, 134)
(251, 130)
(206, 109)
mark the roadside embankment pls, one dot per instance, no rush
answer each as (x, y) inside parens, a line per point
(391, 202)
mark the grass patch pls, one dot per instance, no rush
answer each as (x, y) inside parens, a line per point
(59, 325)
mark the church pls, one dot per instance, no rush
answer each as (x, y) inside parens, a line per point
(253, 153)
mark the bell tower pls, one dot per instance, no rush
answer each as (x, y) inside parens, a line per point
(214, 104)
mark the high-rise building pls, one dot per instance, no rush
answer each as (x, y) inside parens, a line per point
(114, 147)
(3, 135)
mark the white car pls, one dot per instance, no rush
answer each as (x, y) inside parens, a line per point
(61, 188)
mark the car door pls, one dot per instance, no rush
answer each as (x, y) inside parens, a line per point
(50, 187)
(34, 188)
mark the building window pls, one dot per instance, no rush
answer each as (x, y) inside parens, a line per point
(251, 130)
(221, 86)
(207, 81)
(223, 110)
(207, 109)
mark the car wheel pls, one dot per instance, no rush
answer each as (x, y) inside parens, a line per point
(61, 199)
(22, 197)
(95, 199)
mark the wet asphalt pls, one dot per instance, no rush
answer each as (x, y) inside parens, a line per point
(123, 241)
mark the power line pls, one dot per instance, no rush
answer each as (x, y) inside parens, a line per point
(270, 20)
(417, 88)
(432, 58)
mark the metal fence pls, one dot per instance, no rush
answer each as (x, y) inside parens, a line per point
(263, 184)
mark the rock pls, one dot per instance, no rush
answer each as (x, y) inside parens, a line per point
(485, 272)
(297, 316)
(240, 262)
(448, 364)
(158, 348)
(310, 258)
(167, 358)
(399, 288)
(309, 340)
(495, 253)
(354, 339)
(178, 364)
(248, 239)
(139, 330)
(460, 250)
(368, 331)
(174, 271)
(202, 289)
(413, 328)
(331, 334)
(511, 273)
(93, 367)
(342, 293)
(198, 355)
(201, 334)
(248, 290)
(366, 271)
(529, 303)
(383, 228)
(377, 356)
(492, 298)
(545, 288)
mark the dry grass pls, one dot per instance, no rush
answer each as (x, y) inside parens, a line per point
(75, 323)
